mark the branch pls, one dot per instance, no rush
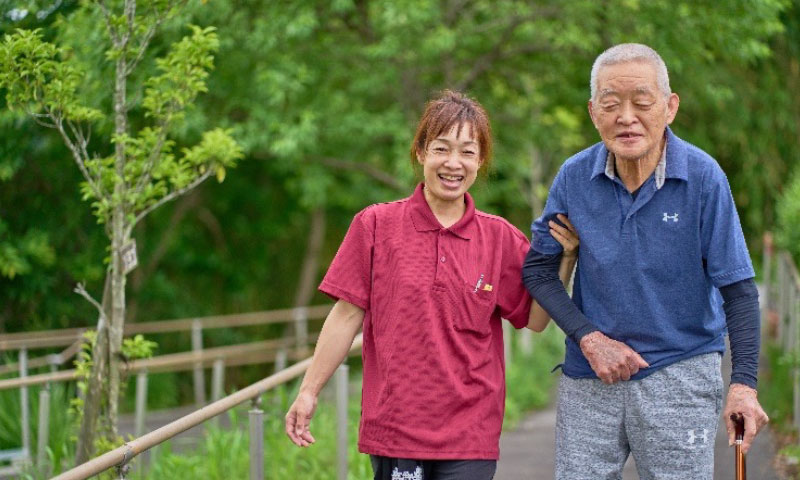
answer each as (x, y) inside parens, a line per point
(107, 17)
(177, 193)
(367, 169)
(81, 290)
(143, 46)
(151, 160)
(486, 61)
(76, 154)
(77, 132)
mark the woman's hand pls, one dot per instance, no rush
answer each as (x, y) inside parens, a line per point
(567, 237)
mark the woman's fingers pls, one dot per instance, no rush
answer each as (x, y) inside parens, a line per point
(563, 218)
(564, 236)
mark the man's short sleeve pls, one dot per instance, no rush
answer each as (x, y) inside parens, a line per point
(541, 240)
(513, 299)
(723, 246)
(349, 277)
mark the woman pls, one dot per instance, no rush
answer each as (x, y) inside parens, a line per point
(429, 278)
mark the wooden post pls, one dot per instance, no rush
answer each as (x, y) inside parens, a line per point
(217, 379)
(24, 406)
(199, 377)
(141, 403)
(256, 441)
(766, 270)
(44, 430)
(342, 374)
(301, 329)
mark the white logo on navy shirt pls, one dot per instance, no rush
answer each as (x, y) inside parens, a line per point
(673, 217)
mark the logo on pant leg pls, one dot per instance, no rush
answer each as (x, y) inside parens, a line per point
(697, 435)
(415, 475)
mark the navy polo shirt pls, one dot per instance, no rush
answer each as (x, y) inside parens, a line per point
(649, 266)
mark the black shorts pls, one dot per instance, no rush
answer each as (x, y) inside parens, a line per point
(387, 468)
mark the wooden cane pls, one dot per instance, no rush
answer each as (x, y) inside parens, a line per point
(741, 468)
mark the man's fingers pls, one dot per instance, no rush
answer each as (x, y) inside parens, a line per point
(750, 431)
(639, 360)
(730, 427)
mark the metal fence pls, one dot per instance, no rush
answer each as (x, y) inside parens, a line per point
(781, 311)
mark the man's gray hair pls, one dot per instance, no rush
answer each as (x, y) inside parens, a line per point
(631, 52)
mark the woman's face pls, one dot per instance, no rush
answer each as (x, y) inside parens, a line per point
(450, 164)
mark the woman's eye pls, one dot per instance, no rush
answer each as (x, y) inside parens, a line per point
(469, 153)
(439, 149)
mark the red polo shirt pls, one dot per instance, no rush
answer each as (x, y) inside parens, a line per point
(434, 382)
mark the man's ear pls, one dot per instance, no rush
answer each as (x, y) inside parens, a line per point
(591, 113)
(673, 102)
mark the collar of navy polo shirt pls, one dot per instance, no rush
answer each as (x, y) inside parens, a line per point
(671, 165)
(424, 220)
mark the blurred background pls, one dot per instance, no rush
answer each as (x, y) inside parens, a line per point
(323, 96)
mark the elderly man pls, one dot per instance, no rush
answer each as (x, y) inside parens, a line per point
(663, 269)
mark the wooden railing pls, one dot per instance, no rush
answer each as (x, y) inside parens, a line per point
(781, 310)
(279, 351)
(121, 457)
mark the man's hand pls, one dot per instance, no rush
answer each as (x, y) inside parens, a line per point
(299, 417)
(611, 360)
(743, 400)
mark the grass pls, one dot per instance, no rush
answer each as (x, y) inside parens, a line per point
(60, 449)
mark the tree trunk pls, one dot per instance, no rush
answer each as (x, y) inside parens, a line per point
(102, 395)
(118, 241)
(92, 398)
(536, 179)
(308, 272)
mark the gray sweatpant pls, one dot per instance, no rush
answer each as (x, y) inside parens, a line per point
(667, 420)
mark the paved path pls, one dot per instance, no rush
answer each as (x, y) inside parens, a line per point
(527, 452)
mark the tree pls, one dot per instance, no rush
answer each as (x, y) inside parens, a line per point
(141, 174)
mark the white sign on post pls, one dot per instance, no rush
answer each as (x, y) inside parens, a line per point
(129, 258)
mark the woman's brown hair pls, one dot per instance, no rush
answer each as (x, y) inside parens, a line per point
(453, 108)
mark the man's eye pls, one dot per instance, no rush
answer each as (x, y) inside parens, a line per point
(644, 105)
(609, 106)
(469, 153)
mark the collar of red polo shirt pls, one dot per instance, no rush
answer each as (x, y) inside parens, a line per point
(424, 220)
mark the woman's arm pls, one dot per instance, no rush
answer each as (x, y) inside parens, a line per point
(335, 339)
(569, 240)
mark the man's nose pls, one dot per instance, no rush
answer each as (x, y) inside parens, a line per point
(627, 115)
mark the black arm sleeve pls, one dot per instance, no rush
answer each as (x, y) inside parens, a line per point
(540, 276)
(744, 330)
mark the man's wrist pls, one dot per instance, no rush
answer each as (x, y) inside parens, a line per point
(589, 339)
(742, 388)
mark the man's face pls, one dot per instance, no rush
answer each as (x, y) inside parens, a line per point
(630, 112)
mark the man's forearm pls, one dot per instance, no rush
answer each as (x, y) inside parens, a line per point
(540, 274)
(335, 339)
(742, 316)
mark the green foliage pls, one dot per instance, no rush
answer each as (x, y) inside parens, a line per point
(787, 234)
(37, 80)
(776, 388)
(137, 347)
(529, 377)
